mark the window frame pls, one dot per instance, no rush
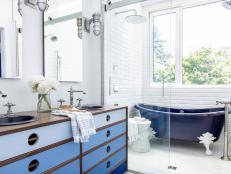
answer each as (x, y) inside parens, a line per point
(151, 16)
(177, 6)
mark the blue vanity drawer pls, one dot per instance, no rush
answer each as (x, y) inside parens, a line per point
(103, 152)
(109, 164)
(104, 135)
(72, 168)
(17, 144)
(105, 119)
(44, 160)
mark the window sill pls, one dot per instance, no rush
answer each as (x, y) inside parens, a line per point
(168, 85)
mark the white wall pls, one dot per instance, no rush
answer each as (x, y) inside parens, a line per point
(18, 90)
(123, 43)
(123, 61)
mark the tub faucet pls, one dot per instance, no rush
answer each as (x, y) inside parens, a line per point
(72, 91)
(225, 156)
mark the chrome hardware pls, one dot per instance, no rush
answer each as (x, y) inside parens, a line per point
(172, 168)
(9, 106)
(225, 156)
(108, 5)
(79, 100)
(3, 95)
(79, 21)
(96, 21)
(61, 101)
(71, 91)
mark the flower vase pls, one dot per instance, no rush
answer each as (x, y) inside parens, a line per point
(44, 103)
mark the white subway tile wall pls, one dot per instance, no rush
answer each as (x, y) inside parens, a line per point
(127, 67)
(123, 59)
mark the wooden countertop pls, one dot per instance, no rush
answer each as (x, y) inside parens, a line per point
(45, 119)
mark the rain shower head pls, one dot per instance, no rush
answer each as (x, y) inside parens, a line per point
(227, 4)
(133, 19)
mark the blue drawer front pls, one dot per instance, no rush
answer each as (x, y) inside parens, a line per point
(104, 135)
(93, 158)
(109, 118)
(108, 165)
(46, 159)
(72, 168)
(121, 169)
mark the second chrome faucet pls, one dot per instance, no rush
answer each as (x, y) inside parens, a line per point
(72, 91)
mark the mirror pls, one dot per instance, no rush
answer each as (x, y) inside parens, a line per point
(63, 59)
(10, 40)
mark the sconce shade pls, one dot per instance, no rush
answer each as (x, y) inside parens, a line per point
(42, 5)
(80, 27)
(96, 24)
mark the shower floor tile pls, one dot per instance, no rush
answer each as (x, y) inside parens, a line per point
(189, 158)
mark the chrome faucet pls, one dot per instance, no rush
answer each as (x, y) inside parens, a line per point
(226, 156)
(9, 108)
(72, 91)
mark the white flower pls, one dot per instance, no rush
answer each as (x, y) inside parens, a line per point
(42, 86)
(35, 82)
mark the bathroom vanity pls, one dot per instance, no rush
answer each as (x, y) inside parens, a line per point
(46, 145)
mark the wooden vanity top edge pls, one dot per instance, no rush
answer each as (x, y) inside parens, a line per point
(46, 119)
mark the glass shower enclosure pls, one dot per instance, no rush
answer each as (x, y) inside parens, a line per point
(133, 62)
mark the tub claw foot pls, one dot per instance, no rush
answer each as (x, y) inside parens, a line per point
(207, 139)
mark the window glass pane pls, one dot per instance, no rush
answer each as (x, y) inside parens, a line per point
(207, 45)
(163, 47)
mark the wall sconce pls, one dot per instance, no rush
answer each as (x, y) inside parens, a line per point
(41, 4)
(80, 27)
(86, 23)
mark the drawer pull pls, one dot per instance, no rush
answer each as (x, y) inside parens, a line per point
(33, 139)
(108, 164)
(33, 165)
(108, 133)
(108, 118)
(108, 149)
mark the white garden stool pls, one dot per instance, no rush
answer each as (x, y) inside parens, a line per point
(142, 144)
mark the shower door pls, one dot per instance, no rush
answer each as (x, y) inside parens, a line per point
(137, 51)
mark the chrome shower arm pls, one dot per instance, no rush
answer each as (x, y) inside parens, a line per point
(126, 11)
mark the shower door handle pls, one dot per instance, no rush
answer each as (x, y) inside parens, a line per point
(110, 85)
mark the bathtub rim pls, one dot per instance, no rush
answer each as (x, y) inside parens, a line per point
(204, 114)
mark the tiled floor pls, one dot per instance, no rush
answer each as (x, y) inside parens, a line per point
(189, 158)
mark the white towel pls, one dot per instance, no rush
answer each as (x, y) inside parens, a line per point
(133, 132)
(86, 125)
(82, 124)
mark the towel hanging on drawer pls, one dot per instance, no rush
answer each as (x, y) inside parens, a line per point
(82, 124)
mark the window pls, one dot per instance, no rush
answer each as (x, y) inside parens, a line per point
(163, 47)
(202, 37)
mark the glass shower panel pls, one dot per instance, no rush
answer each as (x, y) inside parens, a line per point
(197, 126)
(131, 47)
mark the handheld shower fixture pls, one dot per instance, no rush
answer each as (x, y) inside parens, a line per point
(53, 38)
(3, 95)
(227, 4)
(133, 19)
